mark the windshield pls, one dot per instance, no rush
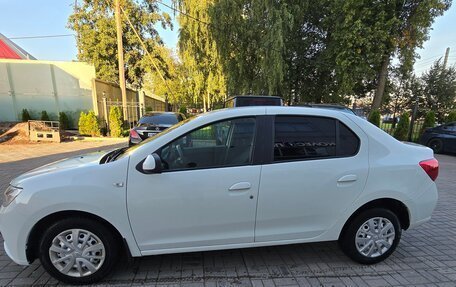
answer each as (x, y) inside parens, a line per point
(127, 151)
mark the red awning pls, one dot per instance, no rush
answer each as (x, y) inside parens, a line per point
(6, 52)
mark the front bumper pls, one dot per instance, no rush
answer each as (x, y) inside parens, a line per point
(12, 228)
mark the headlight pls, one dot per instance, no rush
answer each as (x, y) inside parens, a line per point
(10, 194)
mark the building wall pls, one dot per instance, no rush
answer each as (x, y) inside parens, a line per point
(49, 86)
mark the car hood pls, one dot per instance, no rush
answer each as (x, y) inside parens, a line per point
(68, 163)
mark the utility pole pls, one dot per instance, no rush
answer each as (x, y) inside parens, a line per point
(123, 88)
(445, 61)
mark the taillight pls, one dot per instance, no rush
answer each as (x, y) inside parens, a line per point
(134, 134)
(431, 167)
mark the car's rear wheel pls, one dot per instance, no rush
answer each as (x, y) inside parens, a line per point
(371, 236)
(78, 250)
(436, 145)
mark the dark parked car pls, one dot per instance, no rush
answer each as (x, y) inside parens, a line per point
(441, 138)
(244, 101)
(153, 123)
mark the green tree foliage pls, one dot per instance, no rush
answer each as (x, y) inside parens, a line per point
(318, 51)
(199, 54)
(429, 121)
(176, 87)
(64, 121)
(374, 117)
(379, 30)
(88, 124)
(94, 24)
(451, 117)
(401, 131)
(44, 116)
(115, 122)
(439, 89)
(25, 115)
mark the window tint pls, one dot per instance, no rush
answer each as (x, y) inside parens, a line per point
(298, 137)
(220, 144)
(348, 143)
(304, 137)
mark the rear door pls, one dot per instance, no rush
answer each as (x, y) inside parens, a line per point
(319, 166)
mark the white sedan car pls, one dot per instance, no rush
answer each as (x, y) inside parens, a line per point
(234, 178)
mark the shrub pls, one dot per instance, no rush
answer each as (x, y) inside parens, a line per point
(183, 110)
(401, 131)
(25, 115)
(88, 124)
(44, 116)
(115, 122)
(374, 117)
(64, 121)
(429, 121)
(451, 117)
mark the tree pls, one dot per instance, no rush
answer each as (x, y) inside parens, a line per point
(429, 121)
(198, 53)
(115, 122)
(88, 124)
(408, 25)
(401, 131)
(439, 89)
(176, 87)
(64, 121)
(44, 116)
(25, 115)
(451, 117)
(374, 117)
(94, 24)
(319, 51)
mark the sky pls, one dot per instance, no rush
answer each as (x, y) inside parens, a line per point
(25, 18)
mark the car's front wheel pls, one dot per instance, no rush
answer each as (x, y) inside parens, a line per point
(78, 250)
(371, 236)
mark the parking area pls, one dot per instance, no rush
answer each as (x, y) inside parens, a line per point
(426, 255)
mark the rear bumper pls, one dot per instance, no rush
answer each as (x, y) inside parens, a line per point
(424, 205)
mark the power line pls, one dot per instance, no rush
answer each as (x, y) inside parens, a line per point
(41, 36)
(147, 51)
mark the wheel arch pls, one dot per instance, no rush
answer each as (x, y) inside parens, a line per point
(394, 205)
(38, 229)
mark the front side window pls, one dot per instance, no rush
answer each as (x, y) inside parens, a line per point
(227, 143)
(306, 137)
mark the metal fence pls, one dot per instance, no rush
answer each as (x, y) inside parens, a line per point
(414, 129)
(135, 111)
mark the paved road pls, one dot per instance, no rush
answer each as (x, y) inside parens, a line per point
(425, 256)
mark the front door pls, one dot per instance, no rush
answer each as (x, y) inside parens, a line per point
(206, 194)
(319, 167)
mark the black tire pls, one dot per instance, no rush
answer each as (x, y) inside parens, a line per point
(111, 248)
(347, 240)
(436, 145)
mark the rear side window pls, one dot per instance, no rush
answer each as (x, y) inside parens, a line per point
(348, 143)
(300, 137)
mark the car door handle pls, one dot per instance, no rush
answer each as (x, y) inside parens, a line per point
(240, 186)
(348, 178)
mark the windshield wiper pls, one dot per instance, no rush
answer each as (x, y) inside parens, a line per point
(113, 155)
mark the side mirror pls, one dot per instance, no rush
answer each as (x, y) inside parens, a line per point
(151, 164)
